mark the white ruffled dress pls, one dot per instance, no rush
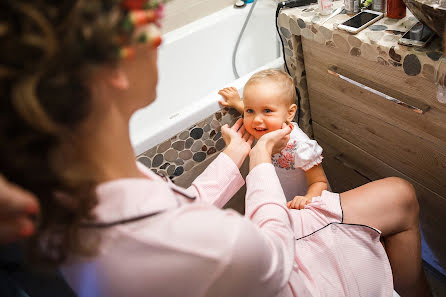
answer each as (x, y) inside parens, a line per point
(300, 155)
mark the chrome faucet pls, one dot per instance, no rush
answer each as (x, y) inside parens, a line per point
(239, 4)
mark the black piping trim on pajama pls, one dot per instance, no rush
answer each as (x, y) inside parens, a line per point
(340, 223)
(119, 222)
(135, 218)
(342, 210)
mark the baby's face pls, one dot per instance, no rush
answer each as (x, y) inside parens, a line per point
(265, 109)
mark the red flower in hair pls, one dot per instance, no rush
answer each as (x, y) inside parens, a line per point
(133, 4)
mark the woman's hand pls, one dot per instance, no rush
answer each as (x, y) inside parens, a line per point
(268, 145)
(276, 141)
(238, 142)
(16, 206)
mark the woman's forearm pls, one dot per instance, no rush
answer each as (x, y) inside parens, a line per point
(218, 183)
(237, 155)
(265, 206)
(258, 155)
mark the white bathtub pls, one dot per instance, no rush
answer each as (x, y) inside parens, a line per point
(195, 61)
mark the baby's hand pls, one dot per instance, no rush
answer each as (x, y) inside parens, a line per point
(299, 202)
(231, 96)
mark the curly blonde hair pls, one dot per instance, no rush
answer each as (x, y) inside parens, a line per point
(283, 80)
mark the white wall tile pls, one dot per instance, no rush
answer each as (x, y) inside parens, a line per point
(181, 12)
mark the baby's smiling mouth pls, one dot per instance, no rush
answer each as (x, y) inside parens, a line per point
(260, 129)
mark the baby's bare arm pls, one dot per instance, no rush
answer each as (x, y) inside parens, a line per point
(231, 99)
(317, 182)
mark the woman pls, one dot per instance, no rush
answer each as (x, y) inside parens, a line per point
(74, 73)
(69, 110)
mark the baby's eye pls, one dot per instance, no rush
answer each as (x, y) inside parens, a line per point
(249, 111)
(267, 110)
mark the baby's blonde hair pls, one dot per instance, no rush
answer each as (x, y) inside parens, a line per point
(283, 80)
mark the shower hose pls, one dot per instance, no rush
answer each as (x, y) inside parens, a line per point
(234, 67)
(280, 6)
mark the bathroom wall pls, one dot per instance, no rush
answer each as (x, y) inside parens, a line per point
(181, 12)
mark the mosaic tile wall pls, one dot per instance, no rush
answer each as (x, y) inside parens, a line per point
(378, 42)
(190, 147)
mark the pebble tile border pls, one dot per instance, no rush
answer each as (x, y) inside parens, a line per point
(190, 147)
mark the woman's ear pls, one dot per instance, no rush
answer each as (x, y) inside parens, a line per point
(291, 112)
(118, 79)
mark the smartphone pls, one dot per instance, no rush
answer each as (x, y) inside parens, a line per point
(360, 21)
(418, 35)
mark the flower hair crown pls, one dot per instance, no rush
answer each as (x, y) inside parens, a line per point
(142, 13)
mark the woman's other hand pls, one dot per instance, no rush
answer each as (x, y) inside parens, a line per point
(268, 145)
(274, 142)
(238, 142)
(16, 206)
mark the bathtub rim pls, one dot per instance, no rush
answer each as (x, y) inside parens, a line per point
(145, 139)
(198, 24)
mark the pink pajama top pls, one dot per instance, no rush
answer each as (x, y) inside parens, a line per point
(159, 240)
(191, 248)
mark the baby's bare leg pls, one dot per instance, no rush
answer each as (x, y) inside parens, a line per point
(391, 206)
